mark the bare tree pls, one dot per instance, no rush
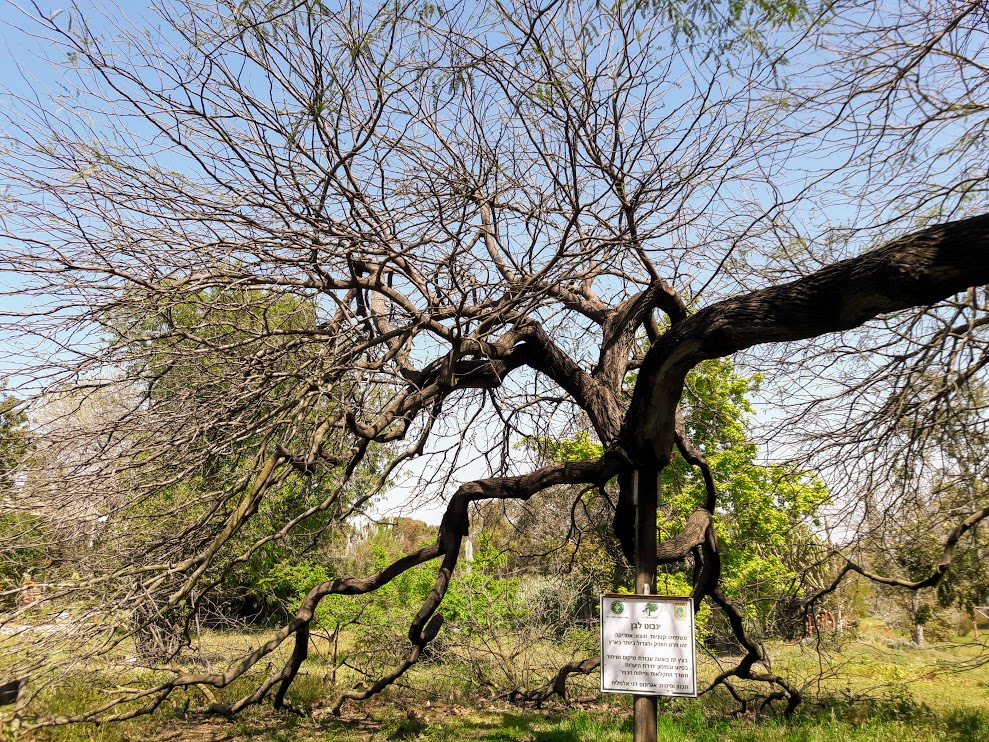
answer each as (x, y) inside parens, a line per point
(312, 243)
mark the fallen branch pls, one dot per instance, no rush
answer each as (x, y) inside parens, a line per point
(557, 686)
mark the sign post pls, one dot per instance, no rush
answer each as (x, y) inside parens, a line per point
(647, 641)
(647, 646)
(645, 490)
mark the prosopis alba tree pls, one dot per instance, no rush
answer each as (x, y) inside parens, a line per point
(485, 209)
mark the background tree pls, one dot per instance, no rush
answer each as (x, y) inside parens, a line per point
(24, 534)
(766, 518)
(478, 211)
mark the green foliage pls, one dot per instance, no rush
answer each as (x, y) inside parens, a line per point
(481, 596)
(36, 545)
(290, 582)
(937, 627)
(27, 539)
(732, 27)
(914, 546)
(765, 510)
(271, 583)
(198, 340)
(966, 584)
(15, 442)
(924, 614)
(720, 18)
(484, 596)
(578, 448)
(198, 348)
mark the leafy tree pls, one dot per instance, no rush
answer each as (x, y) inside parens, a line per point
(768, 512)
(24, 535)
(202, 344)
(14, 441)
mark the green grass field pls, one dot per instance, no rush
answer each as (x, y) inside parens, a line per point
(863, 691)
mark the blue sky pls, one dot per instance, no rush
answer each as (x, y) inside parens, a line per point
(22, 56)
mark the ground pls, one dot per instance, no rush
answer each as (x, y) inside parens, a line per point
(871, 693)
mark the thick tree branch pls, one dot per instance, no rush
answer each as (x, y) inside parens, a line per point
(621, 324)
(557, 686)
(937, 574)
(915, 270)
(693, 535)
(753, 655)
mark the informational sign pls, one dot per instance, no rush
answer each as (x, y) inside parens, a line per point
(647, 645)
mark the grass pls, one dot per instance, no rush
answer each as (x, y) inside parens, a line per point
(604, 723)
(868, 693)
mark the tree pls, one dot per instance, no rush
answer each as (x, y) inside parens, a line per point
(487, 210)
(14, 442)
(236, 326)
(765, 518)
(23, 534)
(924, 504)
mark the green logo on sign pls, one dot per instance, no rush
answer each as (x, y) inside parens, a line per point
(617, 607)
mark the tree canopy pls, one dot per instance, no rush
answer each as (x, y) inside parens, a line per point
(295, 246)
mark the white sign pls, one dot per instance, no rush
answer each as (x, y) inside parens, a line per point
(647, 645)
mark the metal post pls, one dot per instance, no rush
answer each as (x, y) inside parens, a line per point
(645, 490)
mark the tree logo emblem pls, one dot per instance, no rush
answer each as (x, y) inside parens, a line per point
(651, 608)
(617, 607)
